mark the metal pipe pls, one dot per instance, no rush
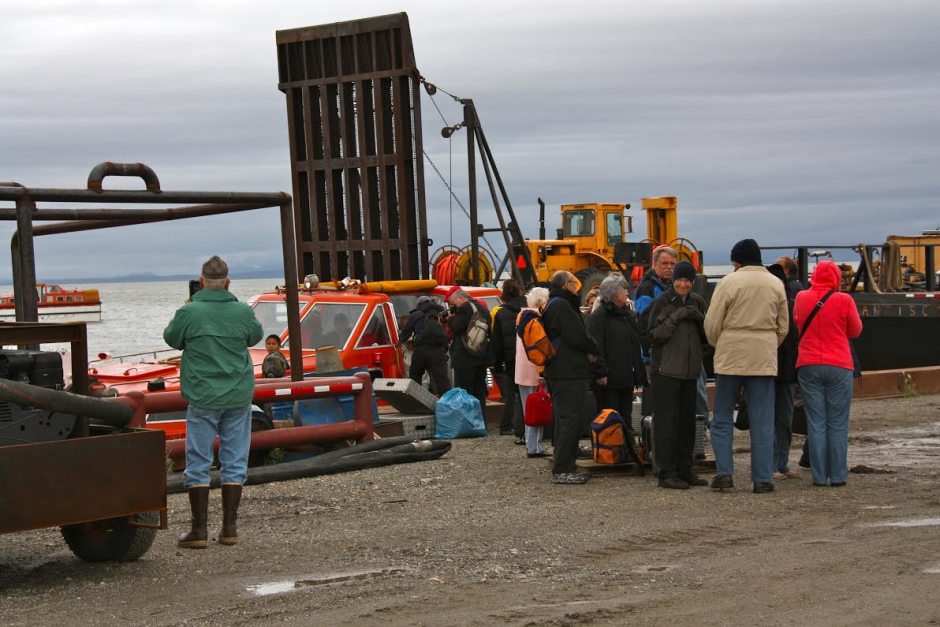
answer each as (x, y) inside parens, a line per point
(142, 197)
(109, 168)
(803, 264)
(138, 215)
(469, 122)
(172, 213)
(930, 267)
(290, 286)
(25, 297)
(520, 240)
(499, 214)
(541, 219)
(360, 428)
(60, 401)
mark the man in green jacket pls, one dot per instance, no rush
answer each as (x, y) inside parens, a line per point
(214, 332)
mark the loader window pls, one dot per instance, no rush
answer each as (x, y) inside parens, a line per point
(614, 229)
(579, 223)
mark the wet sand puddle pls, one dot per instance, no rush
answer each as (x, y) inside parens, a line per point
(321, 580)
(913, 522)
(914, 447)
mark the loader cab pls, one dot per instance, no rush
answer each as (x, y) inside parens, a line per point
(595, 227)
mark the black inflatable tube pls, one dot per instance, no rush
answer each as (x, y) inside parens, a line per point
(29, 395)
(374, 454)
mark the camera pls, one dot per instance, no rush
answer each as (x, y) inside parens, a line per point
(194, 287)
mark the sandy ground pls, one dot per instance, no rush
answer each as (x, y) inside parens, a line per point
(481, 537)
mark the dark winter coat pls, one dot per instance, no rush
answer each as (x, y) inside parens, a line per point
(677, 335)
(618, 337)
(564, 324)
(794, 287)
(788, 351)
(424, 331)
(458, 324)
(503, 341)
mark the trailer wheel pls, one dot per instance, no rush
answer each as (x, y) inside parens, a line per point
(111, 540)
(590, 277)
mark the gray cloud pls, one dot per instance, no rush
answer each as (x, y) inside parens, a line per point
(784, 121)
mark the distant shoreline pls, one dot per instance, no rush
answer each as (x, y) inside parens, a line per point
(145, 278)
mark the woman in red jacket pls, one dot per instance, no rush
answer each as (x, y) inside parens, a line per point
(826, 319)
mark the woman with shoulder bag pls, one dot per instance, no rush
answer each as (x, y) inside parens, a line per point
(827, 320)
(528, 377)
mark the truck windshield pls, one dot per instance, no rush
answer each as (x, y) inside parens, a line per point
(329, 324)
(273, 318)
(579, 223)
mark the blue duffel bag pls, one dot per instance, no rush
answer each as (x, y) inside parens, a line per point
(458, 415)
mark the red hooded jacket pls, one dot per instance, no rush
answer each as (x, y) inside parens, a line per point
(826, 341)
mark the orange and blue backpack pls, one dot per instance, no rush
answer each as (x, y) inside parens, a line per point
(609, 439)
(539, 347)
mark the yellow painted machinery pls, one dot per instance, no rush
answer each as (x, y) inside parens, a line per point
(591, 242)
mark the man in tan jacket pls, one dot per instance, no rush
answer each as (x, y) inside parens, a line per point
(747, 319)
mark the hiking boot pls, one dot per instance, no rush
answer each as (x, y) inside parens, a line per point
(673, 483)
(571, 478)
(695, 480)
(198, 536)
(723, 482)
(231, 497)
(763, 487)
(836, 484)
(507, 431)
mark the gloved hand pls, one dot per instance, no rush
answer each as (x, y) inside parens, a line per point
(680, 314)
(693, 313)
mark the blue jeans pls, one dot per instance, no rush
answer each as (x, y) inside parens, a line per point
(760, 411)
(783, 424)
(827, 399)
(233, 427)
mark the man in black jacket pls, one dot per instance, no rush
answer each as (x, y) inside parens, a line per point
(568, 373)
(469, 369)
(430, 344)
(677, 336)
(785, 385)
(504, 357)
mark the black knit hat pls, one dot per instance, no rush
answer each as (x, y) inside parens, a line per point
(684, 270)
(747, 253)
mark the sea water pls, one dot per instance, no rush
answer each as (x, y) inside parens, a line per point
(133, 315)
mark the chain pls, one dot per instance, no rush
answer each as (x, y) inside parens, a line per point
(450, 189)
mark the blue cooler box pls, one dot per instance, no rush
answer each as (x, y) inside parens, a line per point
(319, 411)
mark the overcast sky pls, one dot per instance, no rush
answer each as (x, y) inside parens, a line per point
(791, 122)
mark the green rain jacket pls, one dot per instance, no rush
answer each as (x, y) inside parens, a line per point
(214, 332)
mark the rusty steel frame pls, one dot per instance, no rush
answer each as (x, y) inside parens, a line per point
(48, 484)
(354, 123)
(83, 219)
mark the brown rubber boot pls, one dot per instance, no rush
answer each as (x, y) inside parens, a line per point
(198, 537)
(231, 497)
